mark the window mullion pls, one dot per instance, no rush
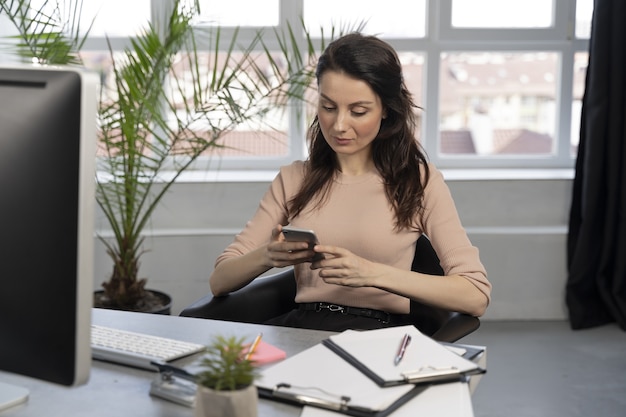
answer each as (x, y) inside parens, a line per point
(430, 112)
(564, 106)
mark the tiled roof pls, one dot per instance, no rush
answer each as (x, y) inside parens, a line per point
(505, 141)
(457, 142)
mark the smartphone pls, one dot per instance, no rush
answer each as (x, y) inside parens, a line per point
(296, 234)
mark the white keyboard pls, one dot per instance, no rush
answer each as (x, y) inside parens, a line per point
(137, 349)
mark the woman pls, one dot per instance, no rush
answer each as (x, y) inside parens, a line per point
(369, 193)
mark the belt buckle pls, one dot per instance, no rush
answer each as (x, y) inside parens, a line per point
(331, 307)
(335, 307)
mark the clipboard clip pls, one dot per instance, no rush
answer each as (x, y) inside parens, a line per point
(431, 373)
(174, 384)
(340, 405)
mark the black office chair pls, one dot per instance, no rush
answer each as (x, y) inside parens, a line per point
(271, 296)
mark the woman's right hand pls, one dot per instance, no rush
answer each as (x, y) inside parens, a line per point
(281, 253)
(237, 272)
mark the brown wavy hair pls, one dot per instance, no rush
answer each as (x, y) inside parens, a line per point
(398, 156)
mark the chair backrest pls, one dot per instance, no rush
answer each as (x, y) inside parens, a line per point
(427, 318)
(425, 259)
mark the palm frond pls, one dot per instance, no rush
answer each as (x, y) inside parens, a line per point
(50, 33)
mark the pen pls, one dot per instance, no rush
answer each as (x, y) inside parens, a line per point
(253, 346)
(403, 344)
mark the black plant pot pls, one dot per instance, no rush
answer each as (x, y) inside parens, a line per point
(155, 302)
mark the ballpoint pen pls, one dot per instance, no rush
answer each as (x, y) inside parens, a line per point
(253, 346)
(402, 349)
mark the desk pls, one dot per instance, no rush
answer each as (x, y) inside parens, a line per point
(115, 390)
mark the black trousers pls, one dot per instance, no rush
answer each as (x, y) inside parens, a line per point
(333, 321)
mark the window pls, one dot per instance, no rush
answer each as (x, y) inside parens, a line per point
(502, 14)
(109, 22)
(510, 83)
(380, 17)
(500, 83)
(497, 103)
(257, 13)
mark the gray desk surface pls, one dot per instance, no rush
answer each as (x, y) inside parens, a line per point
(115, 390)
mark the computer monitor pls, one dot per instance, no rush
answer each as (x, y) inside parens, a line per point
(47, 185)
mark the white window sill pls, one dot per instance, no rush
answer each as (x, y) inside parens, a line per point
(469, 174)
(496, 174)
(453, 174)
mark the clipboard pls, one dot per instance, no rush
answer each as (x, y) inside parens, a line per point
(425, 361)
(449, 400)
(318, 377)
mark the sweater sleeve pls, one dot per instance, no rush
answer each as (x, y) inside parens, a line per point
(441, 223)
(272, 210)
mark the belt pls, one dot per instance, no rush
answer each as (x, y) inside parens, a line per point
(355, 311)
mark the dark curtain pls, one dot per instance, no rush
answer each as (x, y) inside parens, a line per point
(596, 247)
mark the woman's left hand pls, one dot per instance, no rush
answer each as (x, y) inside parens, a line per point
(342, 267)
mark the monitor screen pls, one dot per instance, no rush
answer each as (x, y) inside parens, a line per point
(47, 166)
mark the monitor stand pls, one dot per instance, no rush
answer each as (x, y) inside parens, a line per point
(11, 395)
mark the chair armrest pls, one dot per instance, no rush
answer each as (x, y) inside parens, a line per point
(442, 325)
(458, 325)
(262, 299)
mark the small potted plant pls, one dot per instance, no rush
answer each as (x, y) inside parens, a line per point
(226, 382)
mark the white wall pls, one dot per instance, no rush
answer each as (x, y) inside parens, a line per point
(518, 222)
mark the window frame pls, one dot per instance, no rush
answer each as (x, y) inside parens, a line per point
(560, 39)
(440, 37)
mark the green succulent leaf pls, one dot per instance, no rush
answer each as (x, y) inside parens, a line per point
(225, 367)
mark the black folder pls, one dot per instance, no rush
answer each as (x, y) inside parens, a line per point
(425, 361)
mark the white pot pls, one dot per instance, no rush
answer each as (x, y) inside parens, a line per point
(240, 403)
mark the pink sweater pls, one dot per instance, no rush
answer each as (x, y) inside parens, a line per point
(358, 217)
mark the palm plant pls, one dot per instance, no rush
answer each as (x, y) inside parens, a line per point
(165, 107)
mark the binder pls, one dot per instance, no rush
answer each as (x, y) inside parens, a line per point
(320, 378)
(425, 361)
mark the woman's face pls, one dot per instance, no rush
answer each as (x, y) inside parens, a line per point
(349, 114)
